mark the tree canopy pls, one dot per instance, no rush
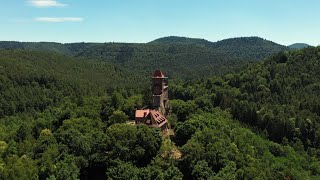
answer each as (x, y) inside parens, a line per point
(64, 116)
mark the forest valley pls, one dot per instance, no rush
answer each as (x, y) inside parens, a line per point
(242, 108)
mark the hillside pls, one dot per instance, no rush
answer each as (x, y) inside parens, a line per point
(32, 80)
(64, 117)
(180, 61)
(67, 49)
(253, 48)
(299, 46)
(279, 96)
(178, 56)
(181, 40)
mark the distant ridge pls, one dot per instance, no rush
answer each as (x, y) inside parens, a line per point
(254, 48)
(249, 47)
(181, 40)
(185, 40)
(299, 46)
(178, 56)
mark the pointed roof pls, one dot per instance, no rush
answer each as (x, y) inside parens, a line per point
(158, 74)
(158, 117)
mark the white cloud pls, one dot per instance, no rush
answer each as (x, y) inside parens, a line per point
(46, 3)
(58, 19)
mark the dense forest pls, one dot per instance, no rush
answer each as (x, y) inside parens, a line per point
(180, 57)
(63, 113)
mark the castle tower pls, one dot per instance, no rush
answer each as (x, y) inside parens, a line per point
(160, 99)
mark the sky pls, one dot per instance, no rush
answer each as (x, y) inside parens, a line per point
(139, 21)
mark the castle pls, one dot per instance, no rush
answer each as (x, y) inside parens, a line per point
(156, 116)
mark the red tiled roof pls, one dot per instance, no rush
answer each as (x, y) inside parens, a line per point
(158, 117)
(142, 113)
(158, 74)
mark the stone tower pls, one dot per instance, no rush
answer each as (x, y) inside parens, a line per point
(160, 99)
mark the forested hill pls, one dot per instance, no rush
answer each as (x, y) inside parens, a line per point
(65, 117)
(178, 56)
(181, 40)
(67, 49)
(279, 96)
(253, 48)
(299, 46)
(180, 61)
(31, 80)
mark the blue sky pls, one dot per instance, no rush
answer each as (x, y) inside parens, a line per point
(282, 21)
